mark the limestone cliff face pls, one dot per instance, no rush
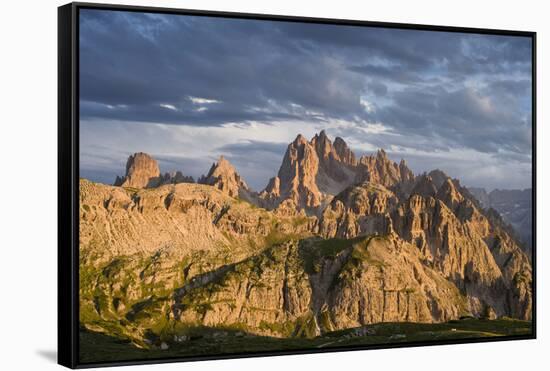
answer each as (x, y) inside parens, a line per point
(333, 242)
(138, 246)
(262, 292)
(303, 289)
(344, 153)
(451, 234)
(142, 171)
(468, 239)
(517, 272)
(176, 177)
(297, 175)
(514, 208)
(424, 186)
(335, 172)
(224, 177)
(270, 197)
(384, 281)
(313, 172)
(181, 218)
(454, 249)
(381, 170)
(359, 210)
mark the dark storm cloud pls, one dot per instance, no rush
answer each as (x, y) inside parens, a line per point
(445, 90)
(251, 71)
(465, 117)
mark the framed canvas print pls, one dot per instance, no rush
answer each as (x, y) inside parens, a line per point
(237, 185)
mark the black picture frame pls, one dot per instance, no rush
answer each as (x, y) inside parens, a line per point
(68, 177)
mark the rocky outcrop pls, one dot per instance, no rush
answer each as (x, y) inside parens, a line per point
(260, 299)
(313, 172)
(380, 169)
(182, 218)
(297, 175)
(142, 171)
(424, 186)
(336, 243)
(223, 176)
(321, 290)
(359, 210)
(450, 233)
(176, 177)
(270, 197)
(517, 272)
(455, 249)
(448, 193)
(344, 153)
(438, 177)
(515, 207)
(384, 281)
(334, 172)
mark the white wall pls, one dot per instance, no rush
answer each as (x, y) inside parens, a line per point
(28, 185)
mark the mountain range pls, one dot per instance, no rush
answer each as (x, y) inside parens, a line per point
(515, 206)
(333, 242)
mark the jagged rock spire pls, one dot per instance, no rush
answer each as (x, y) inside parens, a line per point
(222, 175)
(344, 152)
(314, 170)
(424, 186)
(142, 171)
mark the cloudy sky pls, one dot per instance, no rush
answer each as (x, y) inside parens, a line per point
(187, 89)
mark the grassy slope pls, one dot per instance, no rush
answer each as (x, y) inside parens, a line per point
(96, 347)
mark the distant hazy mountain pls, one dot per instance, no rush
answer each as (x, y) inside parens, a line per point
(515, 207)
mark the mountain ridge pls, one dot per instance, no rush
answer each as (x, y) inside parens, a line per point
(514, 206)
(333, 242)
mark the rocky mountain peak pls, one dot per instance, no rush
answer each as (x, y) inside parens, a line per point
(449, 194)
(142, 171)
(334, 174)
(311, 170)
(297, 174)
(323, 145)
(224, 165)
(424, 186)
(321, 136)
(274, 186)
(222, 175)
(410, 249)
(176, 177)
(300, 140)
(380, 169)
(344, 152)
(515, 208)
(319, 169)
(405, 172)
(438, 177)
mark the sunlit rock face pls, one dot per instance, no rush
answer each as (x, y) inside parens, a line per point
(333, 242)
